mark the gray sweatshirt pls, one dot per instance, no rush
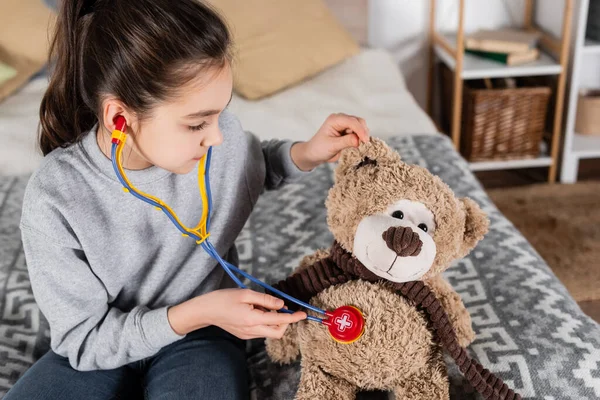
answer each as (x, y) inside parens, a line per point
(105, 266)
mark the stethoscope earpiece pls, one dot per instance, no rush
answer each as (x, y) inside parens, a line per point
(120, 123)
(118, 134)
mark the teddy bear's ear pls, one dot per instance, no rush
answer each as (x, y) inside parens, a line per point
(476, 225)
(366, 154)
(350, 156)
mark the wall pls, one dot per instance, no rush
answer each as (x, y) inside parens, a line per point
(402, 26)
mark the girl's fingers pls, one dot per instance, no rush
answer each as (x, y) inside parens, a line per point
(270, 318)
(261, 299)
(363, 132)
(266, 331)
(342, 122)
(340, 143)
(347, 123)
(365, 138)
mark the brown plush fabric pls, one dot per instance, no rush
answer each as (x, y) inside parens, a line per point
(342, 266)
(403, 241)
(562, 222)
(405, 324)
(370, 189)
(397, 351)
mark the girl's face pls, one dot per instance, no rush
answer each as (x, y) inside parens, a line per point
(178, 133)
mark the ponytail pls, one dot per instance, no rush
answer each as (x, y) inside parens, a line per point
(139, 52)
(64, 116)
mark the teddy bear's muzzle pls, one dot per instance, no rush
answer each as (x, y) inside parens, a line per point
(403, 241)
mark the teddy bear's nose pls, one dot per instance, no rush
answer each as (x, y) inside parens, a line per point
(403, 241)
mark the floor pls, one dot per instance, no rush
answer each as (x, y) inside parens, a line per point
(588, 170)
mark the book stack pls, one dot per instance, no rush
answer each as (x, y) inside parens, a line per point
(507, 46)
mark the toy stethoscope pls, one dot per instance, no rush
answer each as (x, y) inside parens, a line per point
(345, 324)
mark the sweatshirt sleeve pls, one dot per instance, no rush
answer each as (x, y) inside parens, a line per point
(83, 326)
(280, 168)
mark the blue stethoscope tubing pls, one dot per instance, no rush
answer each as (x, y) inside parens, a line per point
(208, 247)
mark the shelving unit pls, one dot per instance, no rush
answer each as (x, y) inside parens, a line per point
(591, 47)
(478, 67)
(553, 61)
(542, 161)
(577, 146)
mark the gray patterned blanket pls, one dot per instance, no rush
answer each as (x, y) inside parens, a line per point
(529, 330)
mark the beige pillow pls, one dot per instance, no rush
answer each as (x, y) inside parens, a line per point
(25, 28)
(279, 43)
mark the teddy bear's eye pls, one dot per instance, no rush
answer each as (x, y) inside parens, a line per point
(366, 161)
(398, 214)
(423, 227)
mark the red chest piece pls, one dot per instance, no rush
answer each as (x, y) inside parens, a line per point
(346, 324)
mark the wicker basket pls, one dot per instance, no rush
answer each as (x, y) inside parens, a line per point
(498, 123)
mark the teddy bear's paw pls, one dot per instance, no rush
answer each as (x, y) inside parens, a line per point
(464, 329)
(425, 392)
(431, 387)
(311, 259)
(316, 383)
(280, 352)
(286, 349)
(466, 337)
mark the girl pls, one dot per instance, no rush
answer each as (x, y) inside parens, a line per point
(134, 309)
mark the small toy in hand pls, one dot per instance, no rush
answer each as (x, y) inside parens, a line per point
(346, 324)
(396, 228)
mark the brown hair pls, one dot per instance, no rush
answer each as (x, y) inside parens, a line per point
(137, 51)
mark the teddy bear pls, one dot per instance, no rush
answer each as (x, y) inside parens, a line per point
(396, 228)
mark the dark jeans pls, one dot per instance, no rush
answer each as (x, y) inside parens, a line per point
(207, 364)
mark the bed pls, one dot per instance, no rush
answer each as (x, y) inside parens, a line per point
(529, 330)
(368, 84)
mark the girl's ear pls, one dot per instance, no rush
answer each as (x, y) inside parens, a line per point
(111, 108)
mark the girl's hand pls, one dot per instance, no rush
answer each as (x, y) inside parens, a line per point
(242, 312)
(338, 132)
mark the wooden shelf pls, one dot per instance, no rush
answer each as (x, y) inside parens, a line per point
(475, 67)
(586, 146)
(585, 58)
(544, 161)
(449, 48)
(591, 46)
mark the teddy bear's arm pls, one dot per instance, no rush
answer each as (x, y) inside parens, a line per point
(452, 303)
(286, 349)
(316, 383)
(311, 259)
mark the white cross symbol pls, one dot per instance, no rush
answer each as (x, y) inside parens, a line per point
(343, 322)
